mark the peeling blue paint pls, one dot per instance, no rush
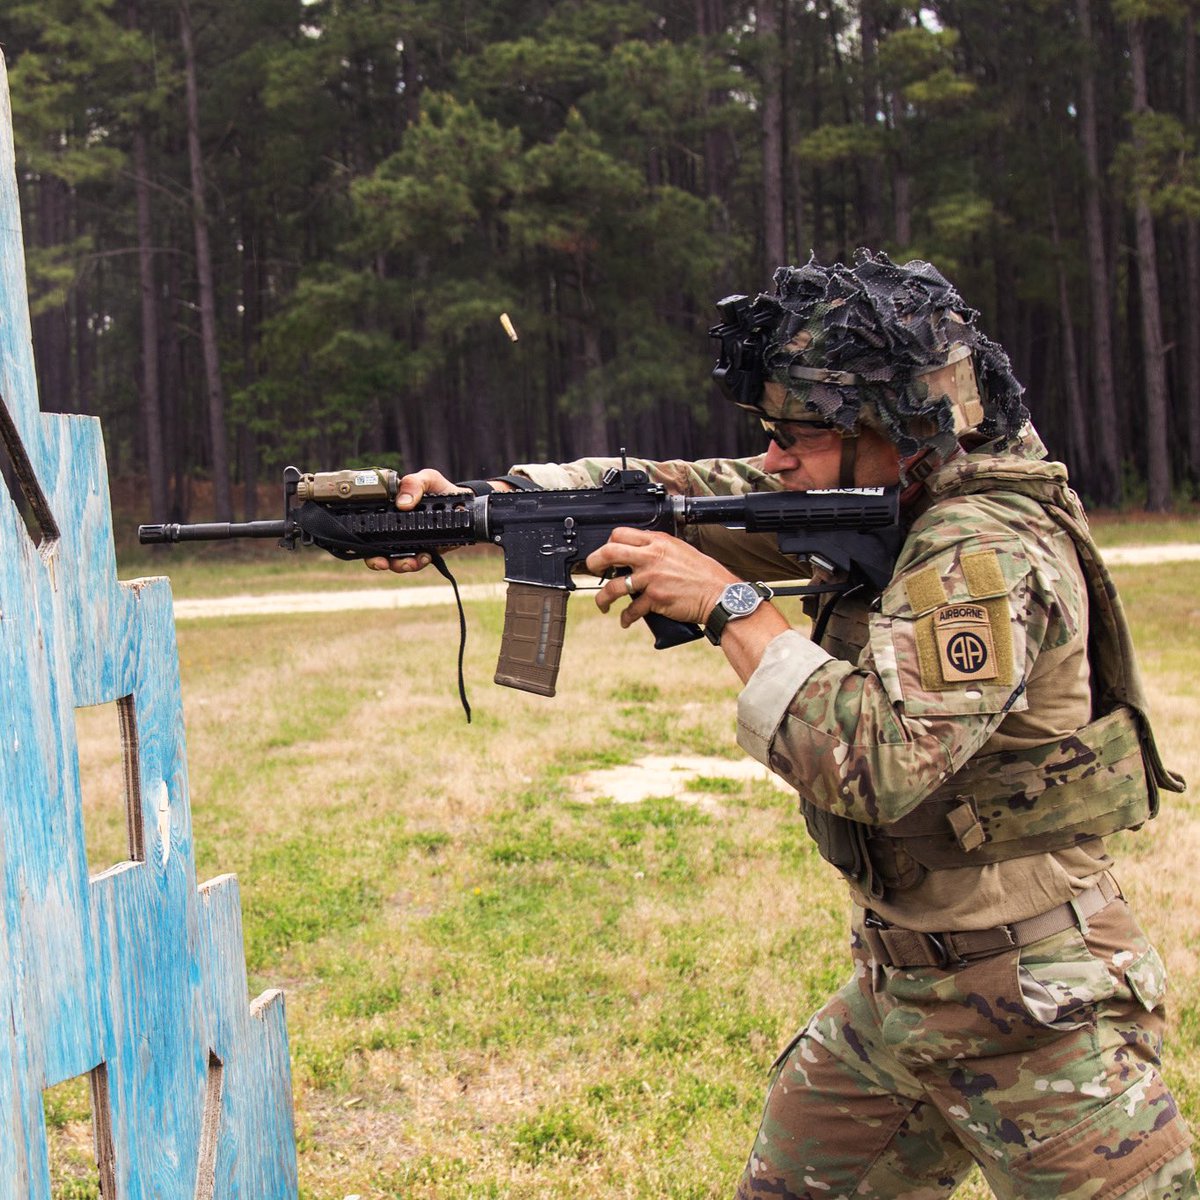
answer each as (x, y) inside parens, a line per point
(136, 970)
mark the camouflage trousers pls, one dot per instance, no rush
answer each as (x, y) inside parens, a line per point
(1041, 1065)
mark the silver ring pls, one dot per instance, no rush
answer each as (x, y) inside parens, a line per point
(629, 588)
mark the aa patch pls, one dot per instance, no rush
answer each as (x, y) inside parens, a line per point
(966, 648)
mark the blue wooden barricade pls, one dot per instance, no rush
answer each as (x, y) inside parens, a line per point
(135, 976)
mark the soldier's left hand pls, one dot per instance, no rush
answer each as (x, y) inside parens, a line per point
(664, 575)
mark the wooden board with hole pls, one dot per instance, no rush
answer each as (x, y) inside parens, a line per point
(134, 976)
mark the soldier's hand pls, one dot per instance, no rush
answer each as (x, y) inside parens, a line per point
(660, 573)
(412, 488)
(669, 576)
(420, 483)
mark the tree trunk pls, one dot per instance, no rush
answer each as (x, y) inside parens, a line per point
(1076, 426)
(594, 424)
(151, 400)
(51, 327)
(218, 434)
(1191, 341)
(774, 211)
(402, 416)
(802, 240)
(437, 449)
(710, 24)
(1106, 471)
(410, 86)
(85, 346)
(1008, 329)
(901, 180)
(871, 175)
(150, 397)
(1158, 461)
(174, 415)
(252, 293)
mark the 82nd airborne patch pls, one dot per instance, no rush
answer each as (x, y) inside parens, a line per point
(966, 649)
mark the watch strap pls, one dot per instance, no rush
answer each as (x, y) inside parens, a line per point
(715, 625)
(720, 616)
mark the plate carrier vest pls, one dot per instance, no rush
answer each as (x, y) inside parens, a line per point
(1103, 778)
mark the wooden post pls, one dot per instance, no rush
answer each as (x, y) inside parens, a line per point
(135, 976)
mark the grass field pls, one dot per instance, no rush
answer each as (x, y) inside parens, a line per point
(499, 988)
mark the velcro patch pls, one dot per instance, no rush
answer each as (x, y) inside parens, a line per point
(925, 590)
(983, 574)
(966, 648)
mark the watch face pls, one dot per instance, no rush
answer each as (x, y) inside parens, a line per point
(739, 599)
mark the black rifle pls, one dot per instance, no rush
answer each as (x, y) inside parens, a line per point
(547, 535)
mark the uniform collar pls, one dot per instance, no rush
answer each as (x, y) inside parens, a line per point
(1025, 456)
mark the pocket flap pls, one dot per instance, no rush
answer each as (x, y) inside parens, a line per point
(1147, 979)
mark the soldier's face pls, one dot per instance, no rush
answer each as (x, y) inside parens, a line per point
(814, 460)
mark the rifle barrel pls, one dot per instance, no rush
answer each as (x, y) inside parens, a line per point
(214, 531)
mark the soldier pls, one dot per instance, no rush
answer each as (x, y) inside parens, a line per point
(961, 745)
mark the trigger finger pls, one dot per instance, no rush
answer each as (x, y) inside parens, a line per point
(634, 611)
(609, 593)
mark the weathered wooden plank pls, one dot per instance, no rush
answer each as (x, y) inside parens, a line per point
(135, 975)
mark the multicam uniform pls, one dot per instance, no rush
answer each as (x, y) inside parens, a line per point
(957, 708)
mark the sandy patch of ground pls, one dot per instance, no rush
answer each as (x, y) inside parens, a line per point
(669, 775)
(1117, 556)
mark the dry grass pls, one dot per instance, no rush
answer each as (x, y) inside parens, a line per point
(498, 989)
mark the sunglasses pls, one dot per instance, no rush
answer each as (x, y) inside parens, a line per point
(802, 434)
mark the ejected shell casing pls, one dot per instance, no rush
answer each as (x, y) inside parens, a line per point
(368, 484)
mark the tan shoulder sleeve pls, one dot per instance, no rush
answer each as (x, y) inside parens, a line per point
(583, 473)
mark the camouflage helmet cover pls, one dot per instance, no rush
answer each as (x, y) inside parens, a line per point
(861, 345)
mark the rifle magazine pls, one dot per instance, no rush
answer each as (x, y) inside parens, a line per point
(535, 620)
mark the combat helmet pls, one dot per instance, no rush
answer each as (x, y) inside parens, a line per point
(888, 346)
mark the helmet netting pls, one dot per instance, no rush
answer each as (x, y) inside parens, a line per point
(886, 323)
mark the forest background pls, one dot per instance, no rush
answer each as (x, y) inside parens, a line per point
(263, 231)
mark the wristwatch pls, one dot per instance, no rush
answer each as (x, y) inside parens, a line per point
(737, 600)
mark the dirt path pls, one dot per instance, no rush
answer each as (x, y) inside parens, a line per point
(396, 594)
(1119, 556)
(386, 595)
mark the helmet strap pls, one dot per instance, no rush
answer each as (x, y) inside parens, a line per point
(849, 460)
(918, 468)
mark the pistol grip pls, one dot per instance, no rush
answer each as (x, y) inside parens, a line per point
(668, 632)
(535, 621)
